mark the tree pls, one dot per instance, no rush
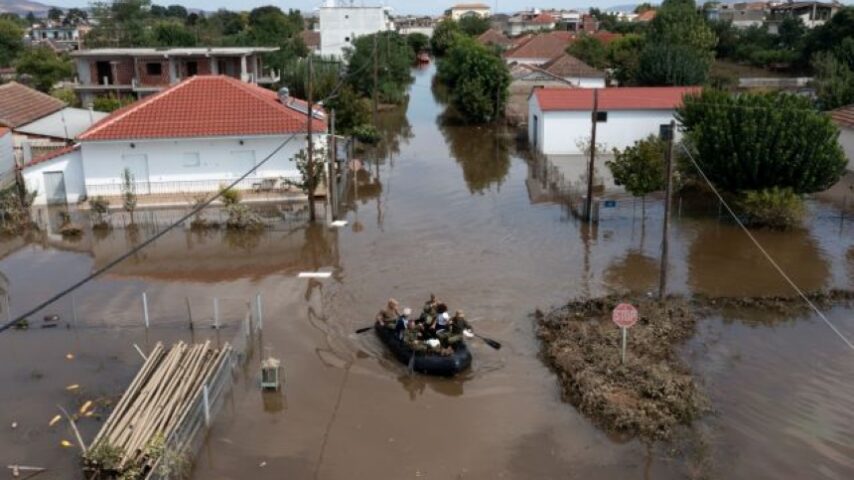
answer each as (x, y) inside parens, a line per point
(226, 22)
(590, 50)
(474, 25)
(418, 42)
(120, 23)
(170, 33)
(445, 35)
(128, 188)
(110, 103)
(177, 11)
(643, 7)
(11, 41)
(395, 59)
(760, 141)
(312, 174)
(828, 36)
(44, 66)
(640, 167)
(351, 110)
(75, 16)
(834, 79)
(623, 57)
(478, 80)
(54, 14)
(678, 22)
(663, 64)
(270, 26)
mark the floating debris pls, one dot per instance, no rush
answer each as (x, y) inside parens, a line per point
(85, 407)
(66, 443)
(71, 387)
(69, 356)
(54, 420)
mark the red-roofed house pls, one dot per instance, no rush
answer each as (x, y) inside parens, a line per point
(530, 21)
(539, 49)
(559, 119)
(192, 137)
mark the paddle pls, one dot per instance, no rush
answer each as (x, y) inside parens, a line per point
(363, 330)
(492, 343)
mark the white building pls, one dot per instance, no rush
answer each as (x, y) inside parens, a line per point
(812, 13)
(7, 157)
(844, 118)
(341, 25)
(468, 10)
(193, 137)
(560, 119)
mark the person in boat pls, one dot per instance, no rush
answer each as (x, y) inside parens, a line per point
(428, 314)
(456, 328)
(388, 316)
(402, 322)
(443, 319)
(413, 339)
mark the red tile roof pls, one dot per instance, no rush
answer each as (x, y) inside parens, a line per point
(205, 106)
(629, 98)
(544, 45)
(646, 16)
(494, 37)
(20, 105)
(605, 36)
(53, 154)
(844, 116)
(4, 131)
(311, 38)
(543, 19)
(566, 65)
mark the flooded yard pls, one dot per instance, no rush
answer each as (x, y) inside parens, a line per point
(461, 212)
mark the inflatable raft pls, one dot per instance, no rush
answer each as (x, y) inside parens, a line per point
(427, 363)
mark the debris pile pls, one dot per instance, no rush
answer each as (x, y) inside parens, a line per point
(649, 395)
(161, 397)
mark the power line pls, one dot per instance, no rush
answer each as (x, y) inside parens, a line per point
(766, 254)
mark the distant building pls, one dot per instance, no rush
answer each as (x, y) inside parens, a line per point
(58, 36)
(341, 25)
(844, 118)
(493, 37)
(311, 39)
(740, 15)
(139, 72)
(413, 24)
(539, 49)
(812, 14)
(559, 119)
(467, 10)
(530, 21)
(574, 71)
(193, 137)
(645, 17)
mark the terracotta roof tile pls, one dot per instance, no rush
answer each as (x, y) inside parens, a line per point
(566, 65)
(311, 38)
(629, 98)
(205, 106)
(843, 116)
(646, 16)
(4, 131)
(494, 37)
(544, 45)
(20, 104)
(53, 154)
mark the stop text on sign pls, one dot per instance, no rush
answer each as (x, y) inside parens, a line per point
(625, 315)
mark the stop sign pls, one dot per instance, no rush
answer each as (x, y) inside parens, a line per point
(625, 315)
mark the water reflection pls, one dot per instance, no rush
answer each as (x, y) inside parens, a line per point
(634, 272)
(395, 131)
(415, 385)
(483, 152)
(724, 261)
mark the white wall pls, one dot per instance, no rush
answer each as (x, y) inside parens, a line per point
(167, 161)
(560, 132)
(70, 165)
(587, 82)
(7, 153)
(846, 139)
(339, 26)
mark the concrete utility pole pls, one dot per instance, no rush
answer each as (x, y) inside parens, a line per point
(667, 134)
(376, 80)
(310, 149)
(332, 181)
(588, 205)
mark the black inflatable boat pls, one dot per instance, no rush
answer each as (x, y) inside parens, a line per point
(429, 364)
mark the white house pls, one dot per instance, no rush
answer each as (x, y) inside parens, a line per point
(468, 10)
(574, 71)
(341, 25)
(560, 119)
(7, 157)
(844, 118)
(195, 136)
(812, 13)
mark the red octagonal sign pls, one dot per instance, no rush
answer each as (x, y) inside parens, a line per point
(625, 315)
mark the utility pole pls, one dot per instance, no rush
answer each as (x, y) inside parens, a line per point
(310, 150)
(667, 134)
(588, 205)
(376, 80)
(332, 181)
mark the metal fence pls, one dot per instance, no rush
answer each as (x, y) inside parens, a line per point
(253, 183)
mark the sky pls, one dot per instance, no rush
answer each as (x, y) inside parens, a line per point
(425, 7)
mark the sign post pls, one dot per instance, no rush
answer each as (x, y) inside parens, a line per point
(625, 316)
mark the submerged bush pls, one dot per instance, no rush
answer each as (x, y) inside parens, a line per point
(367, 134)
(240, 217)
(772, 207)
(100, 208)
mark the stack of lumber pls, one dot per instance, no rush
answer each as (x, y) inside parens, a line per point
(160, 398)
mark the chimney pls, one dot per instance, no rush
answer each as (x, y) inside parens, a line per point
(284, 95)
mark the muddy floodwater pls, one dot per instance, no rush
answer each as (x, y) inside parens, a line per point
(462, 212)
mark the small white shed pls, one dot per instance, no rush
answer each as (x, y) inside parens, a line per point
(560, 119)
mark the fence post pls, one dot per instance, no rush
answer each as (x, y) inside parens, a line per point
(145, 308)
(207, 405)
(216, 312)
(259, 312)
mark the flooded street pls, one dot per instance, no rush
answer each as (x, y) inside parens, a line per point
(460, 212)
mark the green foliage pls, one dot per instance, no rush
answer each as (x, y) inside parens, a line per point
(640, 168)
(67, 95)
(590, 50)
(671, 64)
(99, 207)
(120, 23)
(351, 110)
(44, 66)
(774, 207)
(367, 133)
(229, 196)
(110, 103)
(269, 25)
(446, 33)
(312, 173)
(678, 22)
(54, 14)
(830, 35)
(757, 46)
(128, 189)
(326, 74)
(171, 33)
(478, 80)
(75, 16)
(834, 75)
(760, 141)
(11, 41)
(623, 57)
(418, 42)
(474, 25)
(394, 58)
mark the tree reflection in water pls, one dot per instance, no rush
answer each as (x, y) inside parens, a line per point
(483, 151)
(395, 130)
(633, 272)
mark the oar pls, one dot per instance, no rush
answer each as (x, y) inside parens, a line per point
(363, 330)
(411, 366)
(492, 343)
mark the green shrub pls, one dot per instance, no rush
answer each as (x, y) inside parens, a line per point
(100, 208)
(229, 196)
(778, 208)
(367, 134)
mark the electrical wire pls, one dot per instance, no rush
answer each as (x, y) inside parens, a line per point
(766, 254)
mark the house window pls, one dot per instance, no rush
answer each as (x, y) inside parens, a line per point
(347, 39)
(601, 117)
(192, 68)
(191, 160)
(154, 69)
